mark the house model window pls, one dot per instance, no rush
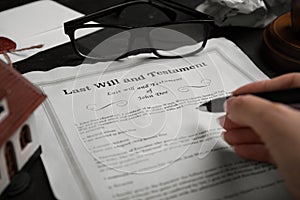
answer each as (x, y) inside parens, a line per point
(10, 157)
(25, 136)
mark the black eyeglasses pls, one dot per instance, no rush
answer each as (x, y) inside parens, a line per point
(169, 38)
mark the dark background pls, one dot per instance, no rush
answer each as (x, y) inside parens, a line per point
(250, 40)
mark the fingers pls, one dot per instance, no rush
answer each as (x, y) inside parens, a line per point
(276, 125)
(241, 136)
(256, 152)
(247, 144)
(291, 80)
(263, 116)
(226, 123)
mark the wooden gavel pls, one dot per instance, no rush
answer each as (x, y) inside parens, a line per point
(282, 41)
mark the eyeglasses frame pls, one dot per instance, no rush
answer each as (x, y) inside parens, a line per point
(71, 26)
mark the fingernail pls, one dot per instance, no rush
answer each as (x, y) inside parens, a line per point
(225, 106)
(222, 136)
(221, 120)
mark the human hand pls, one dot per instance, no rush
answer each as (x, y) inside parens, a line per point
(261, 130)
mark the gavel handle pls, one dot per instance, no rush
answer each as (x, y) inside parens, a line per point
(295, 15)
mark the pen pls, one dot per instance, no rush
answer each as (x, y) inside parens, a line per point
(289, 97)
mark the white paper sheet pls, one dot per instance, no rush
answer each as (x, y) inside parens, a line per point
(134, 132)
(40, 22)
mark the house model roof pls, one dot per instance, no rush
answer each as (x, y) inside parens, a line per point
(19, 97)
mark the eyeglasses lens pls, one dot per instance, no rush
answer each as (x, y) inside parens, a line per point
(178, 39)
(103, 43)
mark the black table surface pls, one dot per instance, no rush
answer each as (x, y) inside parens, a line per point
(250, 40)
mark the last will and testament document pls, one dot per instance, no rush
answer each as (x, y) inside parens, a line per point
(130, 130)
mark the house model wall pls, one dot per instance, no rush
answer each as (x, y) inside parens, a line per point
(18, 130)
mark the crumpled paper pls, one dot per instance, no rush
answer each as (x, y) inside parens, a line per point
(248, 13)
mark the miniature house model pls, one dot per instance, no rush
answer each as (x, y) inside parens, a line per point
(18, 133)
